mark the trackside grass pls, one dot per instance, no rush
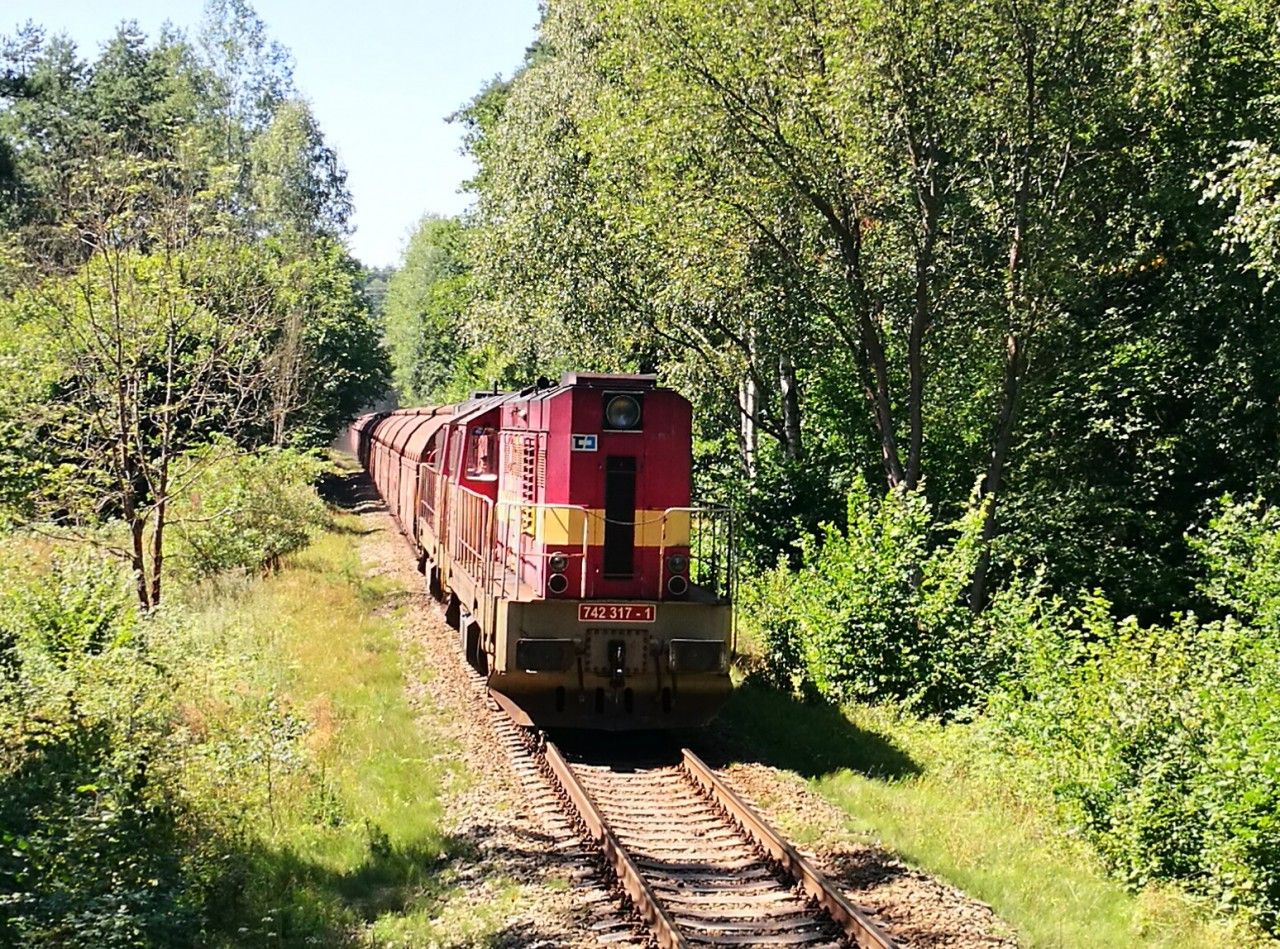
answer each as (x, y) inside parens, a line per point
(925, 791)
(312, 752)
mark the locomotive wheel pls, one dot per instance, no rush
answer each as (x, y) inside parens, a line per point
(475, 654)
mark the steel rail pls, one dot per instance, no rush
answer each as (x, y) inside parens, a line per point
(633, 882)
(855, 923)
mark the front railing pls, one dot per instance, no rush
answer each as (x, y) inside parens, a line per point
(501, 544)
(516, 520)
(707, 533)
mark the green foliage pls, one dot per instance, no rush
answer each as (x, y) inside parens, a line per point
(173, 272)
(243, 510)
(877, 612)
(423, 315)
(948, 220)
(1249, 183)
(241, 766)
(1160, 741)
(1240, 550)
(298, 186)
(77, 607)
(1160, 744)
(329, 362)
(90, 818)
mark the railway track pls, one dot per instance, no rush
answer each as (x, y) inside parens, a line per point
(698, 864)
(701, 867)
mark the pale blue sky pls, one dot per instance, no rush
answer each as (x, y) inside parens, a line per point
(381, 76)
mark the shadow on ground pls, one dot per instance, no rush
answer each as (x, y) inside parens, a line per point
(757, 724)
(279, 897)
(286, 899)
(813, 739)
(350, 491)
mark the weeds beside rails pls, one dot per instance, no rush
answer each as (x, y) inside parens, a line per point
(240, 769)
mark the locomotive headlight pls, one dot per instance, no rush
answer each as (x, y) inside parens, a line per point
(622, 413)
(558, 562)
(677, 563)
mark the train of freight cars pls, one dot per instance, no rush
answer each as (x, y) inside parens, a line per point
(556, 526)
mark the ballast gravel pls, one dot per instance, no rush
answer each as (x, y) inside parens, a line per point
(912, 907)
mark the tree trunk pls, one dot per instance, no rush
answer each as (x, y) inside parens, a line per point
(921, 319)
(792, 444)
(138, 561)
(1020, 323)
(748, 433)
(1014, 367)
(847, 228)
(881, 405)
(157, 548)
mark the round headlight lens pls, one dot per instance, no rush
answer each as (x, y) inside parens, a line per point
(558, 562)
(622, 412)
(677, 563)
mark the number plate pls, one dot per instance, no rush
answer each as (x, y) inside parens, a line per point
(616, 612)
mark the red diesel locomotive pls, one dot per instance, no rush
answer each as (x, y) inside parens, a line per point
(556, 525)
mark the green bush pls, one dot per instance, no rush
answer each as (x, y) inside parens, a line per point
(90, 838)
(108, 833)
(244, 510)
(1240, 550)
(1162, 743)
(877, 611)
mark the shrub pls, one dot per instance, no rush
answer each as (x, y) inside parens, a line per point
(877, 611)
(1240, 550)
(244, 510)
(89, 829)
(1162, 742)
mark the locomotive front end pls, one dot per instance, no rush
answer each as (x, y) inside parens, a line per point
(616, 611)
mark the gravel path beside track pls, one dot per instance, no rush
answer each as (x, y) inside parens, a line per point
(508, 841)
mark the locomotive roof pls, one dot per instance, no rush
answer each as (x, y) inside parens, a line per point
(603, 380)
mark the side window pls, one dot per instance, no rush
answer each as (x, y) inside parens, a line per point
(482, 454)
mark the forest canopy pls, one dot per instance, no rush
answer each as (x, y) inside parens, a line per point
(173, 272)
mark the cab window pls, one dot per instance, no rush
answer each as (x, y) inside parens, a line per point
(482, 454)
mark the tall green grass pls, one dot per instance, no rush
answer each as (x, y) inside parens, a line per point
(336, 785)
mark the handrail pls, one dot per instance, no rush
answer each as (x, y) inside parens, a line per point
(714, 515)
(519, 507)
(478, 560)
